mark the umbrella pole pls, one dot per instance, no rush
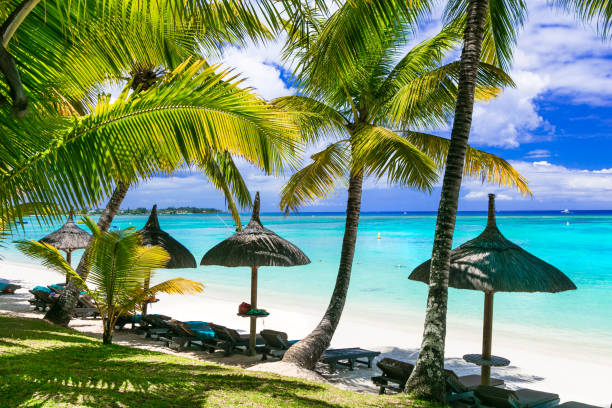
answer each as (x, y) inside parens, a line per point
(487, 337)
(145, 305)
(69, 261)
(254, 306)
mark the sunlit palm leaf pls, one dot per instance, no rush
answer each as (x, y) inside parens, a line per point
(478, 164)
(318, 179)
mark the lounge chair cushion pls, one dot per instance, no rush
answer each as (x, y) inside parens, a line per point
(525, 398)
(472, 381)
(56, 287)
(395, 369)
(41, 289)
(204, 333)
(196, 324)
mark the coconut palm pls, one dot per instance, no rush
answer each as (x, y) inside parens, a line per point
(369, 114)
(108, 43)
(118, 265)
(490, 33)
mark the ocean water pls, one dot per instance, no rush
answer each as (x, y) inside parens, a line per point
(579, 244)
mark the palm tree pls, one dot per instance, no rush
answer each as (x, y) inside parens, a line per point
(118, 266)
(103, 50)
(361, 111)
(489, 34)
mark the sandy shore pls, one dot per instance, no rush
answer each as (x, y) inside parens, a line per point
(567, 367)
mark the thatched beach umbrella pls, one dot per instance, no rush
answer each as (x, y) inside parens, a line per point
(68, 238)
(491, 263)
(255, 246)
(153, 235)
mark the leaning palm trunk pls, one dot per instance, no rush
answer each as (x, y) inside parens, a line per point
(427, 379)
(62, 310)
(308, 351)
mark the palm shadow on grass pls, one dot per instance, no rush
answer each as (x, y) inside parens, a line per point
(66, 368)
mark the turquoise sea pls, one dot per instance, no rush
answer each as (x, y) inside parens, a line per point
(579, 244)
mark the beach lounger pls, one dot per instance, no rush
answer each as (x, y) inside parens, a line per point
(275, 343)
(575, 404)
(185, 334)
(155, 325)
(43, 298)
(8, 288)
(348, 357)
(85, 307)
(523, 398)
(395, 374)
(230, 340)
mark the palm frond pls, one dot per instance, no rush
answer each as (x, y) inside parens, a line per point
(315, 119)
(382, 153)
(478, 164)
(504, 19)
(429, 99)
(317, 180)
(598, 11)
(178, 121)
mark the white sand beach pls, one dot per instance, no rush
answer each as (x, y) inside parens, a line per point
(570, 367)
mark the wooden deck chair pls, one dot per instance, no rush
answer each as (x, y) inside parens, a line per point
(276, 343)
(230, 340)
(523, 398)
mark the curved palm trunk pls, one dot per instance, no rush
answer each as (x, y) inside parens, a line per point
(427, 379)
(61, 312)
(308, 351)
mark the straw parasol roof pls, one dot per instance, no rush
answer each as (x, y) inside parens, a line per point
(491, 263)
(68, 238)
(255, 245)
(152, 234)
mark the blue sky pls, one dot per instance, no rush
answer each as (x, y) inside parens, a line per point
(554, 127)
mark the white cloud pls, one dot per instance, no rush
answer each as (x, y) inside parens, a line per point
(556, 58)
(538, 154)
(552, 183)
(259, 65)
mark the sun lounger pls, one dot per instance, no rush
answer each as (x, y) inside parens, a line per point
(229, 340)
(185, 334)
(575, 404)
(275, 343)
(523, 398)
(8, 288)
(395, 374)
(43, 298)
(85, 307)
(155, 325)
(348, 357)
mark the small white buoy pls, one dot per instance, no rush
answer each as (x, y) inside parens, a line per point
(567, 223)
(378, 236)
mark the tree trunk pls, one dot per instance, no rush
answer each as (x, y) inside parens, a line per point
(308, 351)
(62, 310)
(427, 379)
(107, 335)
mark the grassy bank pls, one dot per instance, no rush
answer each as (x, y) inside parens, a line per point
(45, 366)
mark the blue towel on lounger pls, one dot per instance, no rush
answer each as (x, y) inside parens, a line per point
(196, 324)
(57, 287)
(204, 333)
(3, 286)
(41, 289)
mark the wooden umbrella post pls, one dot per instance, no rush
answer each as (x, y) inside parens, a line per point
(487, 337)
(69, 261)
(145, 304)
(254, 306)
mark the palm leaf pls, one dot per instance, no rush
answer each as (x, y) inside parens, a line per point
(318, 179)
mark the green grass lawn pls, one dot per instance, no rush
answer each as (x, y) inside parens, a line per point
(42, 365)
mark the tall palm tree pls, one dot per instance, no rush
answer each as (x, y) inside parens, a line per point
(103, 50)
(118, 265)
(369, 113)
(490, 33)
